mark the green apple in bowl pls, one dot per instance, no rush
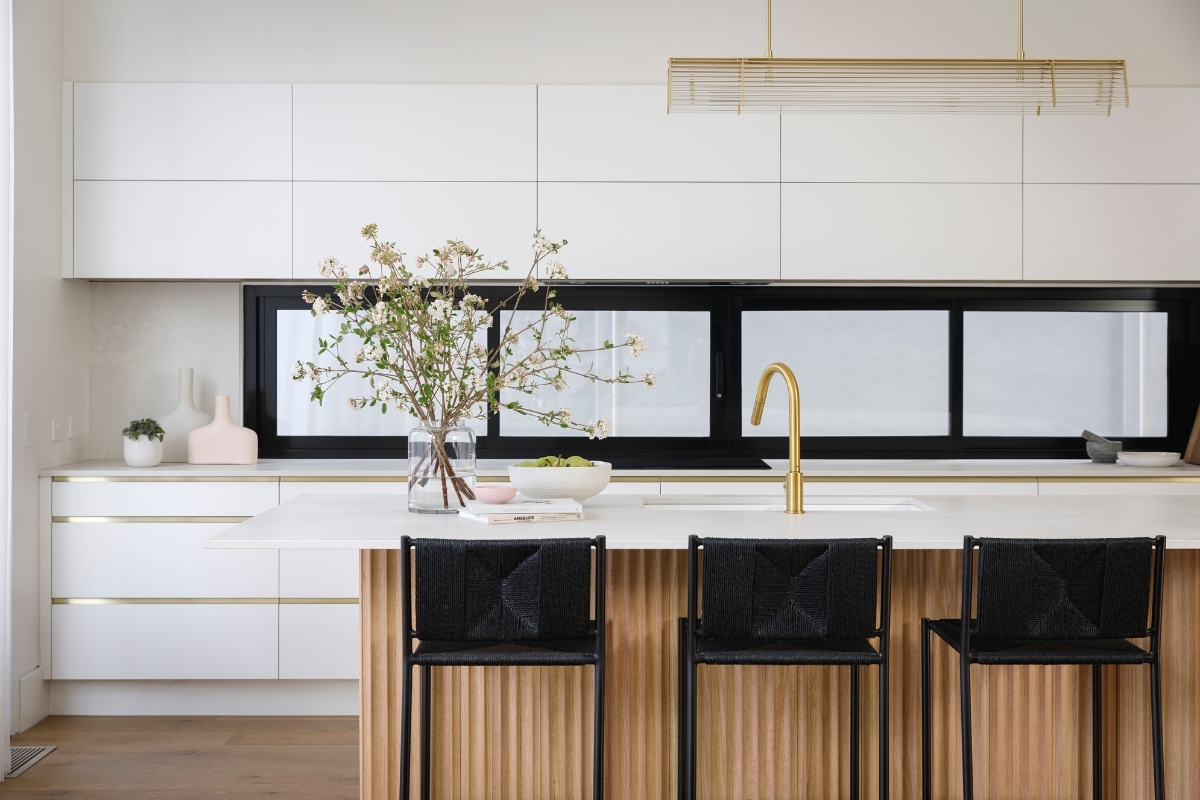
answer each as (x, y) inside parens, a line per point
(554, 477)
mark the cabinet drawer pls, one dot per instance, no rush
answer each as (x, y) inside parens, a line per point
(289, 490)
(318, 573)
(165, 642)
(132, 559)
(164, 499)
(318, 641)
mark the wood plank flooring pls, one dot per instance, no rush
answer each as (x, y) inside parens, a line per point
(186, 758)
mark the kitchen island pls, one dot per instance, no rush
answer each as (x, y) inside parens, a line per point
(766, 732)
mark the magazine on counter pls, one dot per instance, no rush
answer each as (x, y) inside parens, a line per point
(525, 511)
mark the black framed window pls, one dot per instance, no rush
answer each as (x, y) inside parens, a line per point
(884, 372)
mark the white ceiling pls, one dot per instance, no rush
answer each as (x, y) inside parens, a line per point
(593, 41)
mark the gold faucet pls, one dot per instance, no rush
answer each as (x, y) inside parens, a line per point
(794, 483)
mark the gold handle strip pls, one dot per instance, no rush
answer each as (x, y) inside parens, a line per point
(165, 479)
(1123, 479)
(202, 601)
(318, 601)
(89, 520)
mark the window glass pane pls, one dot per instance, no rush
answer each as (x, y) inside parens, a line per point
(861, 373)
(296, 415)
(1039, 373)
(677, 352)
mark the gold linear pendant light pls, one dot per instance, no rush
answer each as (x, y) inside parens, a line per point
(900, 85)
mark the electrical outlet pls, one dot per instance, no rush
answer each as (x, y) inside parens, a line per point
(56, 430)
(29, 430)
(73, 428)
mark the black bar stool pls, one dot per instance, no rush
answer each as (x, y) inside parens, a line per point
(1053, 601)
(786, 601)
(508, 602)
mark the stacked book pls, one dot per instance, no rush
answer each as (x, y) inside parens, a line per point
(525, 511)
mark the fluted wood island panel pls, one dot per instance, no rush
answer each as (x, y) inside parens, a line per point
(776, 732)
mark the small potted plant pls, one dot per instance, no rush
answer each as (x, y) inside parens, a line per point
(143, 443)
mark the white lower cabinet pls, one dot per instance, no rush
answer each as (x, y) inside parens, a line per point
(164, 498)
(164, 641)
(318, 641)
(318, 573)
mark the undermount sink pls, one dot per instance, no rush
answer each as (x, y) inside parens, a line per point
(814, 504)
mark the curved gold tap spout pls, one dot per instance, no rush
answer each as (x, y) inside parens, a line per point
(795, 478)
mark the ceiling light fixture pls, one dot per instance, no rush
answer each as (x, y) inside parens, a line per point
(900, 85)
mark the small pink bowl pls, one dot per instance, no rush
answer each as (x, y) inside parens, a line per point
(495, 493)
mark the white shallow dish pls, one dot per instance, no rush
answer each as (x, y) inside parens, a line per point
(1147, 459)
(551, 483)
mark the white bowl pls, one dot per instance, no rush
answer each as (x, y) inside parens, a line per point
(550, 483)
(1147, 459)
(495, 493)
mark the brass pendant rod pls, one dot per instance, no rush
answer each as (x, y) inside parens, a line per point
(1020, 30)
(769, 29)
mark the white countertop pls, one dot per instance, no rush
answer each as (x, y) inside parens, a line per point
(378, 521)
(813, 469)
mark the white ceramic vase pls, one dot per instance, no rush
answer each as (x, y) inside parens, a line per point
(144, 451)
(222, 441)
(184, 419)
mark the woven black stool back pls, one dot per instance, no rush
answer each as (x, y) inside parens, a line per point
(506, 590)
(789, 589)
(1064, 589)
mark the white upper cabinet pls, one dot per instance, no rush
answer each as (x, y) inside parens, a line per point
(623, 133)
(1155, 140)
(182, 131)
(409, 132)
(885, 148)
(1112, 233)
(496, 218)
(900, 231)
(219, 230)
(664, 231)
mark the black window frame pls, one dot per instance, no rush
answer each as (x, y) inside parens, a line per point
(725, 304)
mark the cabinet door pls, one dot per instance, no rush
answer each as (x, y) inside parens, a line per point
(163, 499)
(901, 231)
(924, 148)
(165, 642)
(1112, 232)
(182, 131)
(135, 559)
(664, 231)
(183, 229)
(318, 573)
(496, 218)
(410, 132)
(624, 133)
(1152, 141)
(318, 641)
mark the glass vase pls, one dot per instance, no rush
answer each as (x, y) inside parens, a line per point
(441, 469)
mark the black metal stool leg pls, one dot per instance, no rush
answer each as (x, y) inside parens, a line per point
(598, 733)
(884, 731)
(964, 679)
(926, 731)
(681, 730)
(426, 726)
(691, 726)
(853, 732)
(1097, 728)
(406, 701)
(1157, 730)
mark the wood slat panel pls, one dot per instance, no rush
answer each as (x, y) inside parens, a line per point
(509, 733)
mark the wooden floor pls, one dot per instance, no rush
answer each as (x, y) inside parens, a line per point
(152, 758)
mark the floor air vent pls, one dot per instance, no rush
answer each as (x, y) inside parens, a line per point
(25, 757)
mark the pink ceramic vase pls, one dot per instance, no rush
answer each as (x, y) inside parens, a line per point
(223, 441)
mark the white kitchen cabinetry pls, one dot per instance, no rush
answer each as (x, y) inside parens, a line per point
(182, 131)
(497, 218)
(890, 148)
(182, 229)
(1112, 232)
(410, 132)
(1152, 141)
(165, 641)
(1111, 488)
(664, 231)
(83, 498)
(319, 641)
(901, 231)
(623, 133)
(137, 559)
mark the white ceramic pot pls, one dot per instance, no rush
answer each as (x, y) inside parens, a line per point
(551, 483)
(184, 419)
(144, 451)
(1131, 459)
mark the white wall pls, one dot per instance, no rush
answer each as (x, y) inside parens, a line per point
(141, 334)
(50, 315)
(616, 41)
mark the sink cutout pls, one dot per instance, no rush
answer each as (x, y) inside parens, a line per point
(814, 504)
